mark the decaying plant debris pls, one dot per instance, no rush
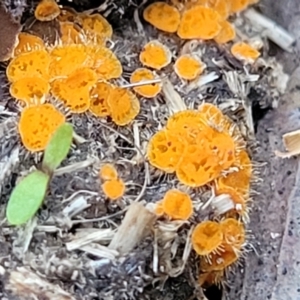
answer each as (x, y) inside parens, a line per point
(76, 240)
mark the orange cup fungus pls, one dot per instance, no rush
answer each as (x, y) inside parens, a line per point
(196, 144)
(108, 172)
(47, 10)
(113, 189)
(199, 22)
(99, 99)
(74, 90)
(177, 205)
(28, 42)
(155, 55)
(188, 67)
(207, 237)
(30, 89)
(124, 106)
(31, 64)
(233, 233)
(37, 125)
(162, 16)
(244, 52)
(69, 33)
(148, 90)
(238, 5)
(226, 34)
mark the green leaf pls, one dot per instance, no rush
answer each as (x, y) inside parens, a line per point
(58, 148)
(27, 197)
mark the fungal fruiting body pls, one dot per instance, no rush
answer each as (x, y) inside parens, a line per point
(37, 125)
(196, 145)
(147, 90)
(199, 22)
(162, 16)
(28, 42)
(188, 67)
(47, 10)
(177, 205)
(244, 52)
(108, 172)
(155, 55)
(226, 34)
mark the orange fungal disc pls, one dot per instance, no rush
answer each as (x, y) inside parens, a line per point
(124, 106)
(164, 151)
(47, 10)
(234, 233)
(211, 278)
(113, 189)
(149, 90)
(177, 205)
(187, 124)
(158, 208)
(37, 125)
(104, 62)
(155, 55)
(75, 90)
(28, 42)
(30, 89)
(188, 67)
(222, 7)
(244, 52)
(66, 59)
(207, 237)
(199, 22)
(31, 64)
(99, 97)
(162, 16)
(96, 24)
(68, 14)
(108, 172)
(226, 34)
(198, 166)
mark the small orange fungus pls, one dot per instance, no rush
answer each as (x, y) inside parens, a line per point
(99, 97)
(96, 24)
(162, 16)
(104, 62)
(164, 151)
(28, 42)
(244, 52)
(69, 33)
(177, 205)
(199, 22)
(233, 233)
(149, 90)
(210, 278)
(75, 90)
(66, 59)
(222, 7)
(124, 106)
(47, 10)
(31, 64)
(226, 34)
(207, 237)
(113, 189)
(30, 89)
(155, 55)
(108, 172)
(188, 67)
(37, 125)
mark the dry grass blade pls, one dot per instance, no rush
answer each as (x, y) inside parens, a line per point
(136, 225)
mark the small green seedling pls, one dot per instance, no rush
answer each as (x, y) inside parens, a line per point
(29, 194)
(58, 148)
(27, 197)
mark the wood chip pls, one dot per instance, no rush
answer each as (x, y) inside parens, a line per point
(291, 142)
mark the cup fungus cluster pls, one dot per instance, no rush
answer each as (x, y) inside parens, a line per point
(204, 148)
(113, 187)
(202, 19)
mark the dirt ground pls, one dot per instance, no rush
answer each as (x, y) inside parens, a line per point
(270, 271)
